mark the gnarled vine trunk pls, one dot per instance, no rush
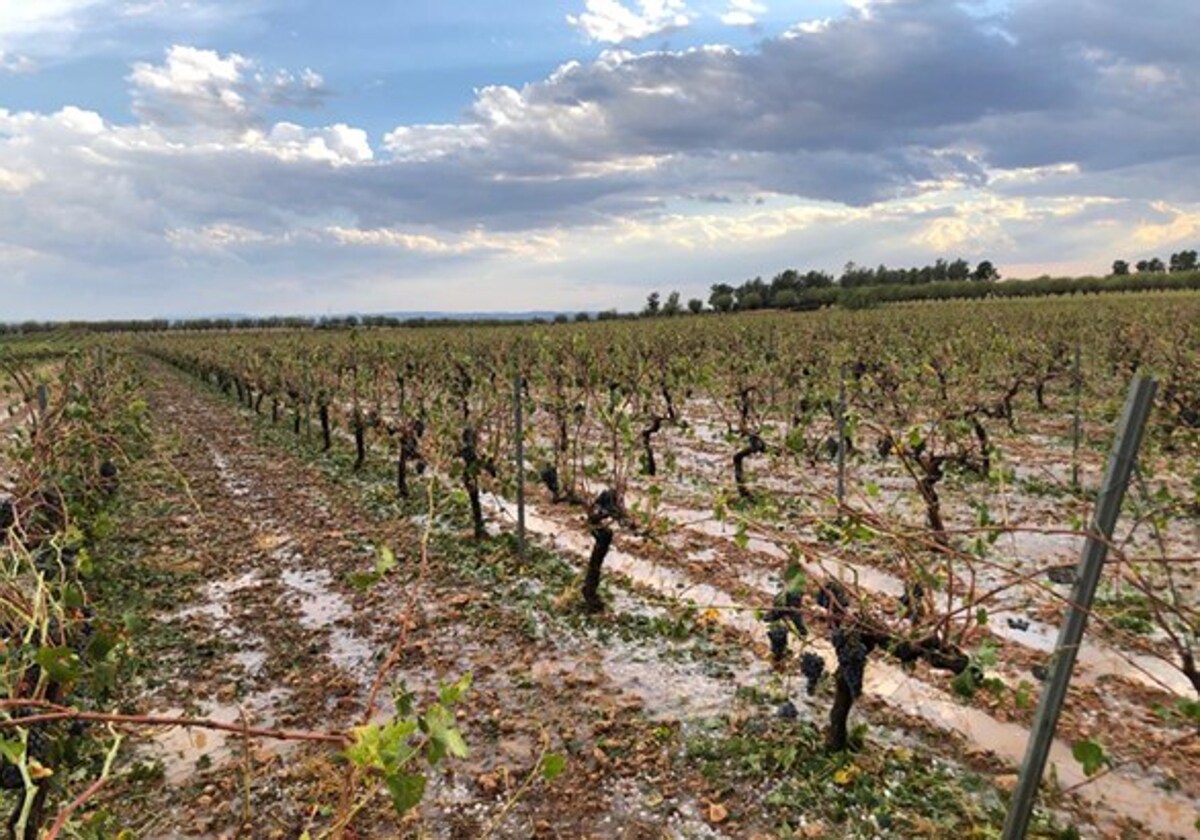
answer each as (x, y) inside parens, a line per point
(603, 537)
(755, 446)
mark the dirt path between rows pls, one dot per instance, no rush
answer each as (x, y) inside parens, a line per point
(273, 631)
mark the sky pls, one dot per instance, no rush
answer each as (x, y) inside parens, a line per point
(191, 157)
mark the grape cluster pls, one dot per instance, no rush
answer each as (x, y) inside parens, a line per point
(851, 657)
(778, 636)
(884, 447)
(787, 609)
(812, 667)
(108, 477)
(833, 596)
(37, 747)
(10, 776)
(549, 477)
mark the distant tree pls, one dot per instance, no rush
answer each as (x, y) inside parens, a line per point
(760, 291)
(721, 301)
(785, 281)
(816, 280)
(985, 272)
(854, 275)
(672, 307)
(940, 267)
(652, 305)
(1151, 266)
(751, 300)
(721, 297)
(581, 317)
(562, 318)
(695, 306)
(960, 269)
(787, 299)
(1183, 261)
(608, 315)
(1120, 268)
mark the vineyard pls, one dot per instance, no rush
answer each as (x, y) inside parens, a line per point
(761, 575)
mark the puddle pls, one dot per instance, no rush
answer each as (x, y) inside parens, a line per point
(321, 608)
(319, 605)
(180, 748)
(671, 690)
(631, 801)
(234, 483)
(215, 601)
(350, 652)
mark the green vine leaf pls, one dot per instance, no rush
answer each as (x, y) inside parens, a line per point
(552, 766)
(12, 749)
(1090, 755)
(406, 789)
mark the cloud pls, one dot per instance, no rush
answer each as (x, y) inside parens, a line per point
(18, 65)
(195, 87)
(611, 22)
(853, 114)
(743, 13)
(837, 141)
(62, 29)
(23, 23)
(1180, 227)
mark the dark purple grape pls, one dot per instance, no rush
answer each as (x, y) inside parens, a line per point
(549, 477)
(787, 609)
(832, 596)
(812, 667)
(778, 636)
(10, 776)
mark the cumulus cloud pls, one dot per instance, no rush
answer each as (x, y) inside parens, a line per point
(194, 87)
(611, 22)
(743, 13)
(1171, 226)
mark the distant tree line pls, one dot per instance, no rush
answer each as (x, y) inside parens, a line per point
(328, 322)
(1180, 262)
(791, 289)
(860, 286)
(856, 287)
